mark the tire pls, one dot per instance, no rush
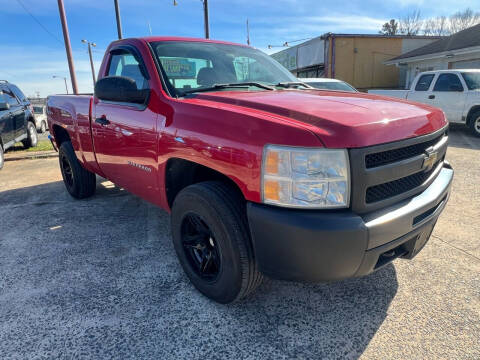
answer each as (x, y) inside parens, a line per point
(232, 272)
(32, 136)
(474, 123)
(43, 127)
(2, 158)
(80, 183)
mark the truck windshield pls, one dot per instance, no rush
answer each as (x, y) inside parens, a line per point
(188, 66)
(472, 79)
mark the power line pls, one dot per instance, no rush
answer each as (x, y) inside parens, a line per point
(39, 23)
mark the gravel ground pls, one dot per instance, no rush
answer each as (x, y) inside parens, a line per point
(99, 278)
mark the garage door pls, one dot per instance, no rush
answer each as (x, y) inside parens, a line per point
(468, 64)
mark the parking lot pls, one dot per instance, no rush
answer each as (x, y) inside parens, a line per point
(99, 277)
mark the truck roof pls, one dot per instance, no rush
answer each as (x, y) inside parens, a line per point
(449, 71)
(179, 38)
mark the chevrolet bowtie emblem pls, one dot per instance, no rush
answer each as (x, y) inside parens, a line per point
(429, 159)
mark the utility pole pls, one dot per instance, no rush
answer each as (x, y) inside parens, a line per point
(248, 34)
(205, 19)
(119, 20)
(64, 79)
(68, 47)
(90, 44)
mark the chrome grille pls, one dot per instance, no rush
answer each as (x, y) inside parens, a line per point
(396, 187)
(391, 156)
(385, 174)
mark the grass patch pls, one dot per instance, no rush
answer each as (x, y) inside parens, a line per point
(43, 145)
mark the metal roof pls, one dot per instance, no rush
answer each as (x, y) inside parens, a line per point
(463, 39)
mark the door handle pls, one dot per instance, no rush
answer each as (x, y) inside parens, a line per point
(431, 96)
(102, 120)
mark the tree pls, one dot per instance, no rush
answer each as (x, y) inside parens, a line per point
(390, 28)
(436, 26)
(411, 24)
(462, 20)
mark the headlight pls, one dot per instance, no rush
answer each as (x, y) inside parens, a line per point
(305, 177)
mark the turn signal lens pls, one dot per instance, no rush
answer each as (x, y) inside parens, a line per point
(271, 163)
(271, 190)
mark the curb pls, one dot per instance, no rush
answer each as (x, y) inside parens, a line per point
(31, 156)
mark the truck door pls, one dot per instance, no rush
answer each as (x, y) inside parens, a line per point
(125, 134)
(16, 114)
(448, 94)
(421, 91)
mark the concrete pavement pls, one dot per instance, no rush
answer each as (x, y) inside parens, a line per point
(99, 278)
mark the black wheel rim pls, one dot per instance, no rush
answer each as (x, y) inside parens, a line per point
(200, 247)
(66, 170)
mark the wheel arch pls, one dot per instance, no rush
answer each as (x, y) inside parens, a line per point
(180, 173)
(60, 134)
(472, 111)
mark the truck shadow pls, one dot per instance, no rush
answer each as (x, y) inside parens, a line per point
(460, 136)
(108, 261)
(323, 321)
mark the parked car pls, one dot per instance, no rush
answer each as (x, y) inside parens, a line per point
(16, 119)
(40, 114)
(262, 174)
(329, 84)
(456, 92)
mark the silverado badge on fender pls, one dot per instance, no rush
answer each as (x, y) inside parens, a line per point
(141, 167)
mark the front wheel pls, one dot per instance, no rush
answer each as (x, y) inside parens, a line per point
(32, 136)
(80, 183)
(212, 241)
(474, 123)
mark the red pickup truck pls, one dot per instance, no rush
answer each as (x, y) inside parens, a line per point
(262, 174)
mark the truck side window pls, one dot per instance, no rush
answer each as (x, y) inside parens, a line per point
(424, 82)
(20, 95)
(448, 82)
(125, 64)
(11, 99)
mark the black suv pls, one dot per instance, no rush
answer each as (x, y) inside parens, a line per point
(16, 119)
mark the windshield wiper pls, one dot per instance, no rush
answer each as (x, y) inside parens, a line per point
(242, 85)
(293, 84)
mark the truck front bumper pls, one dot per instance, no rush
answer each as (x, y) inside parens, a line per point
(324, 245)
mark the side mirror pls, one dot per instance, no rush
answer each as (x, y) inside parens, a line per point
(120, 89)
(455, 88)
(4, 105)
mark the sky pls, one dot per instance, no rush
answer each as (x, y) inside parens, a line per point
(32, 48)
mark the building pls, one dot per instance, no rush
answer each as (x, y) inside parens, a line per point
(458, 51)
(358, 59)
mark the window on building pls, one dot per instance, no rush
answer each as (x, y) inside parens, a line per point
(448, 82)
(424, 82)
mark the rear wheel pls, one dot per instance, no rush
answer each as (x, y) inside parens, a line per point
(474, 123)
(32, 136)
(212, 241)
(80, 183)
(43, 127)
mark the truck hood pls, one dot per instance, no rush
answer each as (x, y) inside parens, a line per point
(340, 119)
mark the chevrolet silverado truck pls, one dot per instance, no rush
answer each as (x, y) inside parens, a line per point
(262, 174)
(456, 92)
